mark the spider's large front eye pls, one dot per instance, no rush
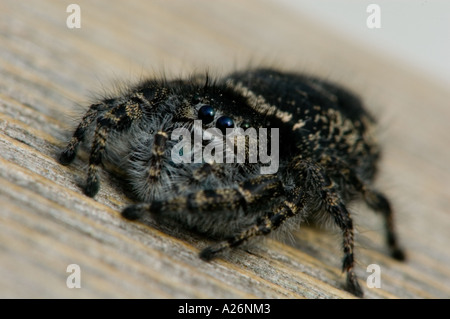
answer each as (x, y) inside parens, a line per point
(206, 114)
(223, 123)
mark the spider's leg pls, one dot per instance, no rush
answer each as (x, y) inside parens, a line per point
(68, 154)
(118, 119)
(317, 179)
(378, 202)
(262, 226)
(209, 201)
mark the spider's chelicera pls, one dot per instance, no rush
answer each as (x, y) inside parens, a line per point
(320, 139)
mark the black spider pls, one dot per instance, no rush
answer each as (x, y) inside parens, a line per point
(326, 152)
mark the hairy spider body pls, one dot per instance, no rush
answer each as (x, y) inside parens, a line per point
(327, 155)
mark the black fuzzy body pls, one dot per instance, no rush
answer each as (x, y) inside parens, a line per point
(327, 155)
(325, 119)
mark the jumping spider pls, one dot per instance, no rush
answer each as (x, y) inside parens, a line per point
(327, 156)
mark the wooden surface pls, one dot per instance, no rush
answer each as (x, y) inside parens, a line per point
(46, 223)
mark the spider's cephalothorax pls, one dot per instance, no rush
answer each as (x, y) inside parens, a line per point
(325, 155)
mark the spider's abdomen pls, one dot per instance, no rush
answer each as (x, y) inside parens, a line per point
(316, 119)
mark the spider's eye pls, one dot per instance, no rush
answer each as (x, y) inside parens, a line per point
(223, 123)
(206, 114)
(245, 125)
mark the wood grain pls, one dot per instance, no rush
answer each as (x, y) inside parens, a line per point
(46, 223)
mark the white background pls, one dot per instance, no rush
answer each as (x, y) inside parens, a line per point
(413, 32)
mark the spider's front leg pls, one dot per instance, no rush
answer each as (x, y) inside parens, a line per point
(68, 154)
(118, 119)
(262, 226)
(245, 196)
(209, 201)
(108, 116)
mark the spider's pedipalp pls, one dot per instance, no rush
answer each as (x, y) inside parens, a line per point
(155, 162)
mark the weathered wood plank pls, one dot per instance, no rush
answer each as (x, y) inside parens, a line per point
(46, 223)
